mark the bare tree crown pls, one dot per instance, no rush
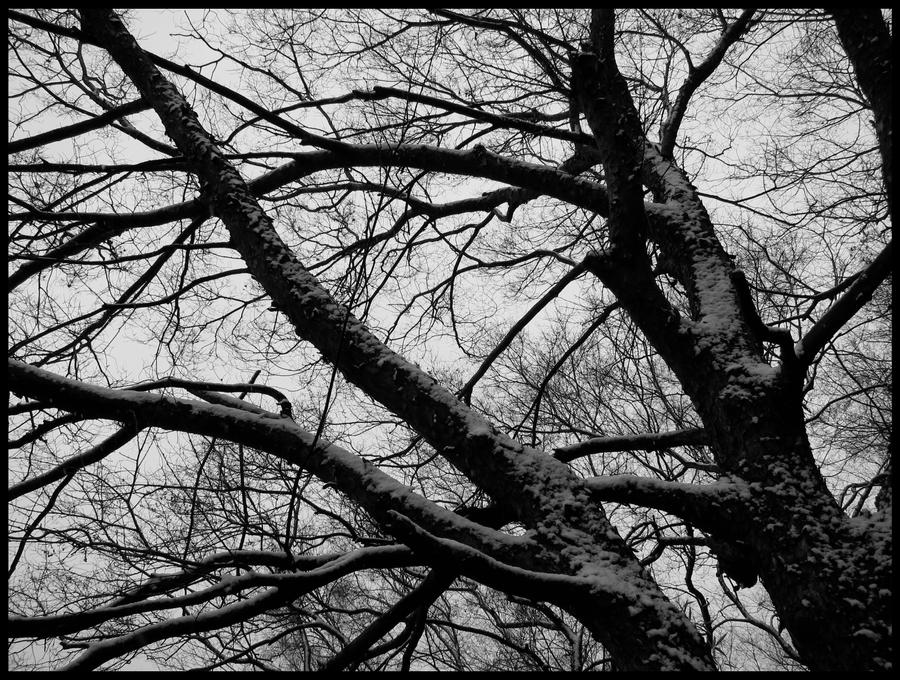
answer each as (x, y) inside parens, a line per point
(507, 339)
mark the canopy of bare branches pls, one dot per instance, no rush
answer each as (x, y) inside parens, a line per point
(450, 340)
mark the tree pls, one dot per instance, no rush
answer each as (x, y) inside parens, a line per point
(428, 430)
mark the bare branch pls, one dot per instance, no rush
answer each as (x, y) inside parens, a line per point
(696, 77)
(68, 131)
(71, 465)
(651, 441)
(857, 295)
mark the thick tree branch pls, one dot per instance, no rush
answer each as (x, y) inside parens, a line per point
(686, 237)
(712, 507)
(366, 484)
(612, 117)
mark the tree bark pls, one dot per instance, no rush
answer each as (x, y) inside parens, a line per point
(633, 619)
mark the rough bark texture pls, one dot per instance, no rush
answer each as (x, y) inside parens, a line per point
(772, 517)
(573, 534)
(811, 557)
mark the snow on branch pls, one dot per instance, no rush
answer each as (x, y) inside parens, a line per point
(710, 507)
(492, 571)
(203, 387)
(375, 490)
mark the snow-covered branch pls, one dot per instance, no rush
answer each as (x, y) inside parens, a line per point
(711, 507)
(278, 435)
